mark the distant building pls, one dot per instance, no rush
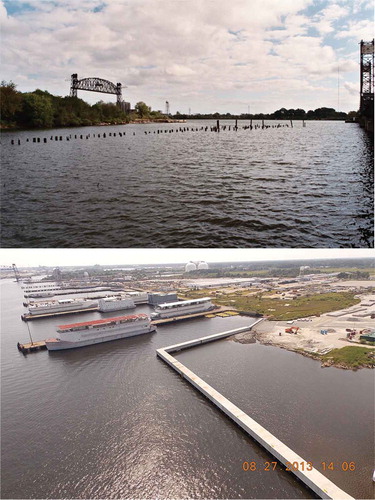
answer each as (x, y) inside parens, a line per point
(125, 106)
(161, 298)
(220, 282)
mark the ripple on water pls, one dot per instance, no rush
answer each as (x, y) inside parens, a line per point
(204, 187)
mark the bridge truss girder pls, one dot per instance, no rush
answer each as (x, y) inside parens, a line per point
(95, 84)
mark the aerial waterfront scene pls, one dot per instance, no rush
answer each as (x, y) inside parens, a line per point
(187, 373)
(186, 124)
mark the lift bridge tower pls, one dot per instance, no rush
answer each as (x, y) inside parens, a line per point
(366, 108)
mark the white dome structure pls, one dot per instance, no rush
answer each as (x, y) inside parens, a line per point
(190, 266)
(202, 265)
(86, 274)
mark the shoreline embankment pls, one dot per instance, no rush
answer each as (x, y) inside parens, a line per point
(309, 342)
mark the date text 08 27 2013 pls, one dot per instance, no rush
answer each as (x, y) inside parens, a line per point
(292, 466)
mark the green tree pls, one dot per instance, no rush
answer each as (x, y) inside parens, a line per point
(142, 109)
(37, 110)
(10, 101)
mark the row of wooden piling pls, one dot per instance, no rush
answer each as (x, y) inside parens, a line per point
(70, 137)
(216, 128)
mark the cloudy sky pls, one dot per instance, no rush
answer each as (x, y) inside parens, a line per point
(203, 55)
(128, 256)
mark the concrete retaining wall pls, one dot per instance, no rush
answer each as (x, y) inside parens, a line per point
(316, 481)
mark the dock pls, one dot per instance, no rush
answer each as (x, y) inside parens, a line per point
(313, 479)
(32, 346)
(29, 317)
(174, 319)
(219, 311)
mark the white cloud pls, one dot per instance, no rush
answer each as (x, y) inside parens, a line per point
(358, 30)
(176, 48)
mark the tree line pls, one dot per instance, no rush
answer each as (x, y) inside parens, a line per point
(280, 114)
(40, 109)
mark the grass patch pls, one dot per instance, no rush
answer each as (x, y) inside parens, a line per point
(351, 357)
(298, 308)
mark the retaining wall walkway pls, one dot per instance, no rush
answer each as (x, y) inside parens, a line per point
(316, 481)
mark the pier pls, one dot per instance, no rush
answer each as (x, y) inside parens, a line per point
(32, 346)
(313, 479)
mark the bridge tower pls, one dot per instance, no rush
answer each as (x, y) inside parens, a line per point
(167, 111)
(74, 85)
(367, 78)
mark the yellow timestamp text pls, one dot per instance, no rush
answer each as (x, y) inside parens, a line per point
(299, 466)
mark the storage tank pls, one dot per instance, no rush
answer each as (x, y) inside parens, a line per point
(190, 266)
(202, 265)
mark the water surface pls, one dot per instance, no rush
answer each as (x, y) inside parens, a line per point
(277, 187)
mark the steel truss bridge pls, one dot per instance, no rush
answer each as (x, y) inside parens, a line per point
(94, 84)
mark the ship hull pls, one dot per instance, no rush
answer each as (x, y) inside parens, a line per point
(58, 345)
(182, 312)
(62, 309)
(115, 305)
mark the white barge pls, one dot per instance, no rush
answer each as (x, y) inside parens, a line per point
(173, 309)
(110, 304)
(98, 331)
(60, 306)
(39, 295)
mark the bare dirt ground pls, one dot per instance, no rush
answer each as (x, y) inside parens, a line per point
(309, 337)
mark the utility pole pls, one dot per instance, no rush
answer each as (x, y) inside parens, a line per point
(16, 273)
(27, 324)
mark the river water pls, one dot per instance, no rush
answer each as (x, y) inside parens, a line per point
(114, 421)
(277, 187)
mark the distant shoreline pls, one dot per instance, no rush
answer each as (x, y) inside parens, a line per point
(15, 128)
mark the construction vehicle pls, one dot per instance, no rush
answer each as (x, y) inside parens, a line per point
(292, 329)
